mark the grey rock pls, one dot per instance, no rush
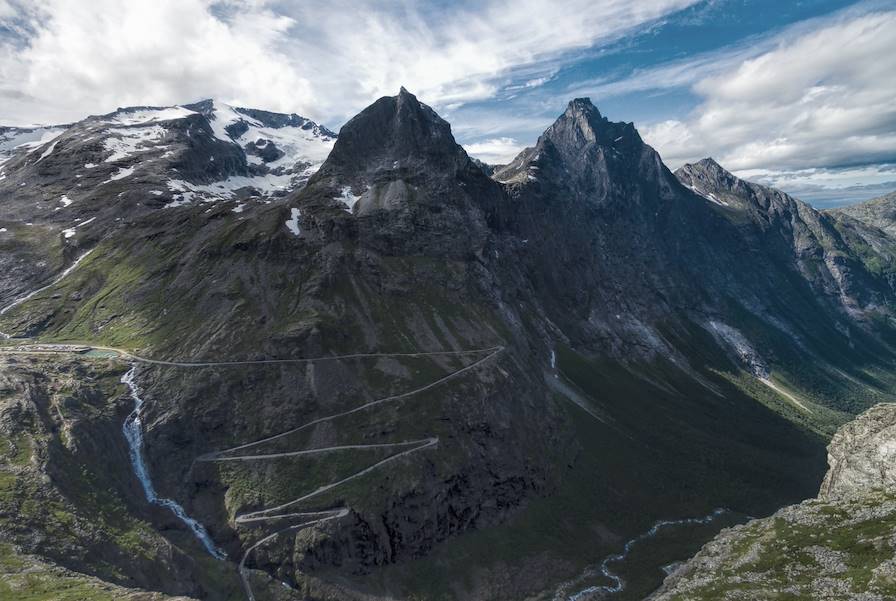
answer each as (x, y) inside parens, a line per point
(862, 455)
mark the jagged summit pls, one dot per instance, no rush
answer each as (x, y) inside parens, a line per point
(590, 155)
(398, 180)
(395, 132)
(582, 125)
(708, 178)
(708, 164)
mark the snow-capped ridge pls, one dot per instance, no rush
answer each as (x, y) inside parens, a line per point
(209, 151)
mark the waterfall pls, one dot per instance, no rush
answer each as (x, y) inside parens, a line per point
(133, 432)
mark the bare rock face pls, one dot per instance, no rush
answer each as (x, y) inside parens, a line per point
(398, 182)
(829, 250)
(862, 455)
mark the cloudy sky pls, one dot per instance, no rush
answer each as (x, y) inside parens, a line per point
(799, 94)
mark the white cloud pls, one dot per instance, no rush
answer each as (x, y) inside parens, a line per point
(460, 54)
(494, 151)
(89, 57)
(847, 177)
(325, 60)
(822, 98)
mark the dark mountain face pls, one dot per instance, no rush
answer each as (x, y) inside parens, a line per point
(598, 160)
(398, 182)
(397, 129)
(662, 346)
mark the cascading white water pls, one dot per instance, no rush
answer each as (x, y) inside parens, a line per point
(133, 432)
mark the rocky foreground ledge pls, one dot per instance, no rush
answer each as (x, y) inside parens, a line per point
(840, 545)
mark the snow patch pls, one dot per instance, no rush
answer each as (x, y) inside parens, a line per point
(124, 142)
(120, 174)
(293, 222)
(49, 150)
(65, 200)
(708, 196)
(299, 145)
(348, 199)
(149, 115)
(223, 116)
(32, 139)
(226, 189)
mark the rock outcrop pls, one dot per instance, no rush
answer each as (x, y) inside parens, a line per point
(862, 456)
(841, 545)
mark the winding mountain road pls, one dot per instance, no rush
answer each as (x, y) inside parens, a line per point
(306, 519)
(309, 519)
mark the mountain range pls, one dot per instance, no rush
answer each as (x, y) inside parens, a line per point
(372, 367)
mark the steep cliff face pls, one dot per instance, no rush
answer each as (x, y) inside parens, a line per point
(400, 185)
(839, 258)
(862, 456)
(839, 546)
(65, 484)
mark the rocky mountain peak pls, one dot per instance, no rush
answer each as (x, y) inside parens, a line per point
(395, 133)
(711, 164)
(707, 178)
(710, 167)
(397, 180)
(600, 155)
(584, 116)
(713, 182)
(204, 107)
(582, 126)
